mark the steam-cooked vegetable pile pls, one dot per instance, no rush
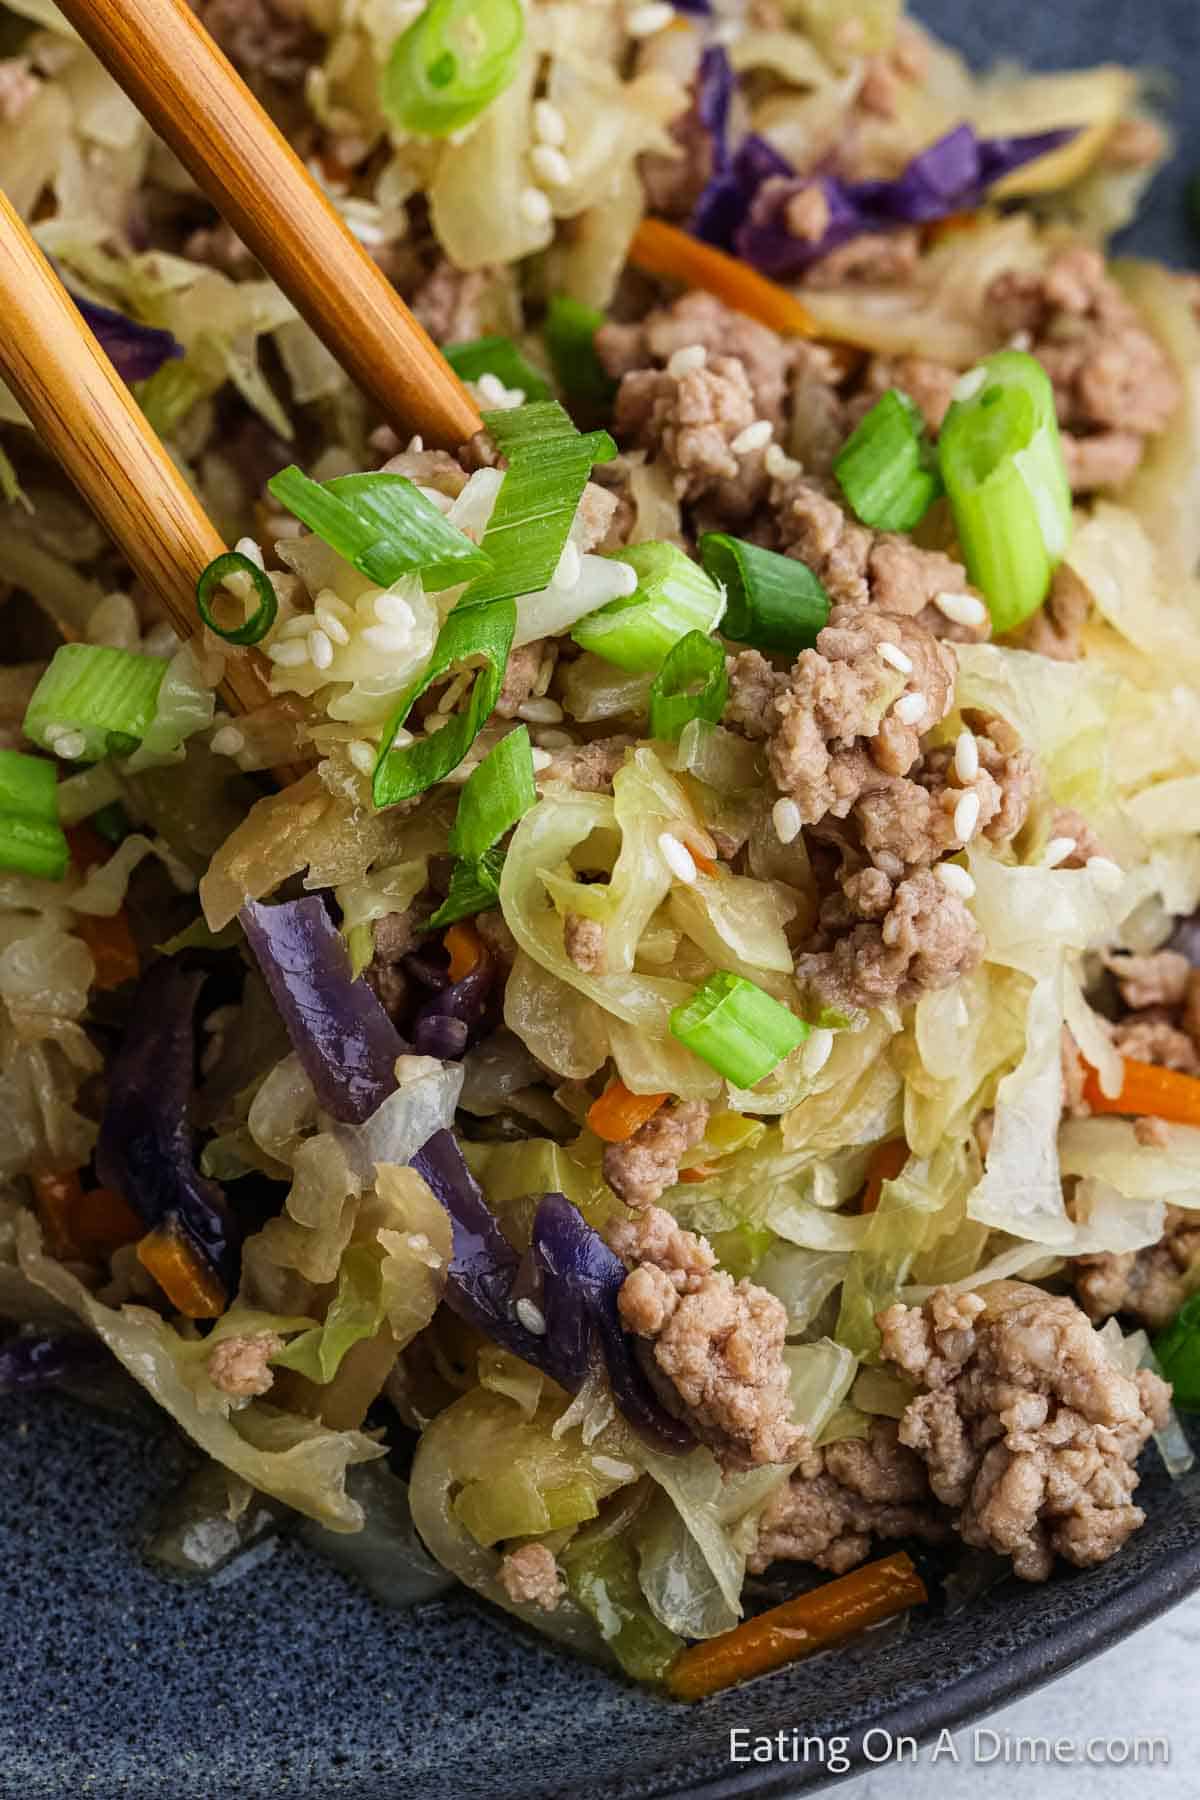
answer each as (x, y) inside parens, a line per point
(703, 1059)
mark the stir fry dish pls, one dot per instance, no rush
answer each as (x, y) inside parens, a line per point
(662, 1063)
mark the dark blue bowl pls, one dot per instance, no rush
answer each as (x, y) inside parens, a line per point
(291, 1685)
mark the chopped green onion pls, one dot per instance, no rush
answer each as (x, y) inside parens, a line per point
(739, 1030)
(481, 631)
(886, 467)
(453, 60)
(95, 700)
(692, 684)
(112, 822)
(244, 579)
(771, 601)
(1002, 462)
(500, 357)
(673, 596)
(549, 462)
(474, 887)
(570, 333)
(382, 524)
(31, 838)
(495, 795)
(1178, 1352)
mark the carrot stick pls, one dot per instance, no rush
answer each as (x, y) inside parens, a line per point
(58, 1198)
(617, 1114)
(1147, 1090)
(663, 249)
(113, 949)
(887, 1160)
(698, 1172)
(811, 1622)
(191, 1288)
(466, 948)
(107, 1222)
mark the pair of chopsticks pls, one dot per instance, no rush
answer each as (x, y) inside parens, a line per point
(162, 57)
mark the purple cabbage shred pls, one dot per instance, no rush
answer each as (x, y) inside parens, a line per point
(135, 351)
(454, 1017)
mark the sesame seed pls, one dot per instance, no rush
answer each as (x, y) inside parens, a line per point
(70, 744)
(685, 360)
(910, 707)
(963, 609)
(289, 654)
(968, 385)
(895, 658)
(553, 739)
(779, 465)
(625, 578)
(645, 21)
(329, 602)
(331, 625)
(249, 549)
(320, 649)
(386, 637)
(548, 123)
(534, 206)
(956, 879)
(817, 1051)
(532, 1317)
(755, 437)
(677, 857)
(298, 626)
(966, 817)
(540, 712)
(1102, 868)
(362, 755)
(541, 760)
(1057, 851)
(785, 817)
(435, 496)
(966, 757)
(52, 733)
(569, 569)
(434, 722)
(614, 1468)
(160, 640)
(1021, 340)
(491, 389)
(416, 444)
(228, 741)
(390, 609)
(401, 739)
(550, 165)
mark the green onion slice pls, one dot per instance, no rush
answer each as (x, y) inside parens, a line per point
(481, 631)
(886, 468)
(244, 580)
(570, 333)
(737, 1029)
(382, 524)
(692, 684)
(474, 887)
(105, 696)
(500, 357)
(496, 794)
(1178, 1352)
(673, 597)
(771, 601)
(31, 838)
(1002, 462)
(452, 62)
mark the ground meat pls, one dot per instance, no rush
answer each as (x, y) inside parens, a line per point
(688, 423)
(497, 937)
(640, 1169)
(220, 247)
(520, 677)
(926, 940)
(753, 688)
(1105, 460)
(595, 515)
(1071, 824)
(1135, 143)
(269, 42)
(588, 767)
(700, 318)
(907, 580)
(815, 530)
(875, 257)
(673, 184)
(930, 385)
(395, 935)
(429, 468)
(18, 86)
(238, 1365)
(1026, 1427)
(584, 942)
(1056, 629)
(1150, 1037)
(530, 1577)
(820, 417)
(1004, 786)
(1148, 1285)
(449, 302)
(842, 1497)
(653, 1239)
(1160, 979)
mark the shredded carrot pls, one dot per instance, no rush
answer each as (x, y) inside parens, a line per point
(107, 1222)
(886, 1162)
(663, 249)
(952, 226)
(698, 1172)
(111, 944)
(705, 864)
(617, 1114)
(812, 1621)
(1147, 1091)
(466, 948)
(79, 1226)
(58, 1198)
(192, 1289)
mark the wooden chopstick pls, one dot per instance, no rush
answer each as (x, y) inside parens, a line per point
(85, 414)
(158, 51)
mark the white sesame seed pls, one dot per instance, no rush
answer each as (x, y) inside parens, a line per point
(386, 637)
(614, 1468)
(249, 549)
(298, 626)
(362, 755)
(540, 712)
(70, 745)
(968, 385)
(541, 759)
(755, 437)
(963, 609)
(817, 1051)
(532, 1317)
(435, 496)
(320, 649)
(1102, 868)
(1057, 851)
(569, 569)
(534, 206)
(956, 879)
(677, 857)
(52, 733)
(910, 707)
(390, 609)
(1021, 340)
(966, 817)
(548, 123)
(785, 817)
(416, 444)
(228, 741)
(160, 640)
(553, 739)
(332, 626)
(401, 739)
(491, 389)
(434, 722)
(966, 757)
(895, 657)
(329, 602)
(453, 691)
(625, 578)
(779, 465)
(645, 21)
(289, 654)
(550, 165)
(687, 359)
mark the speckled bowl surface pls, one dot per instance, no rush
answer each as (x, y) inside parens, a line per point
(290, 1684)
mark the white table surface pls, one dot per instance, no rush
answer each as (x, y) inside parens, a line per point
(1147, 1686)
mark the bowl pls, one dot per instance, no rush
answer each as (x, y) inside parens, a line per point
(291, 1684)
